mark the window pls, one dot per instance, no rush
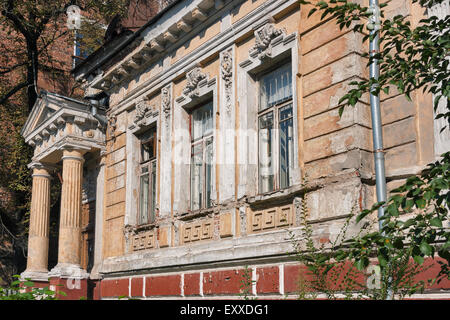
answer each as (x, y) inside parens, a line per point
(275, 129)
(147, 178)
(201, 126)
(83, 47)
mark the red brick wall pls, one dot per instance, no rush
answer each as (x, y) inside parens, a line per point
(274, 281)
(163, 285)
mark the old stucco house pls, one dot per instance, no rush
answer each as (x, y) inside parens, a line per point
(188, 159)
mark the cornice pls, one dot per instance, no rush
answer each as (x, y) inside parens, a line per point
(219, 43)
(153, 47)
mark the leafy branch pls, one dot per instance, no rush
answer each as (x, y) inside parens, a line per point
(411, 57)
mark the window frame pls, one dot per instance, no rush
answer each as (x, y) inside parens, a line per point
(275, 110)
(151, 165)
(203, 141)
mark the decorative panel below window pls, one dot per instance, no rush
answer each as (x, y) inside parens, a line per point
(196, 231)
(144, 240)
(273, 218)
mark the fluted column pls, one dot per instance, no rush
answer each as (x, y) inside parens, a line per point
(69, 242)
(37, 260)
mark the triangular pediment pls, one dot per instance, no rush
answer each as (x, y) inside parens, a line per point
(45, 112)
(37, 115)
(46, 106)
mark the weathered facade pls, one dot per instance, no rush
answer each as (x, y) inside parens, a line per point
(220, 113)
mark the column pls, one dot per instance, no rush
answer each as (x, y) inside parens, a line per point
(69, 245)
(37, 260)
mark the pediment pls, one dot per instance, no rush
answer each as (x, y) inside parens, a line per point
(58, 122)
(44, 113)
(46, 107)
(36, 116)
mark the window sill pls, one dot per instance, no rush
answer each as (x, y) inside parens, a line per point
(196, 213)
(145, 227)
(278, 196)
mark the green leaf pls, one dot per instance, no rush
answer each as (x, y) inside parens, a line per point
(362, 263)
(445, 254)
(310, 13)
(436, 222)
(418, 259)
(341, 111)
(408, 204)
(322, 4)
(426, 249)
(362, 215)
(392, 210)
(409, 223)
(420, 203)
(382, 260)
(398, 244)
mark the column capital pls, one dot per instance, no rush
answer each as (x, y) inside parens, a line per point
(73, 154)
(41, 169)
(41, 165)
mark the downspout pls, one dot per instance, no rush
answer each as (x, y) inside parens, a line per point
(96, 101)
(100, 118)
(377, 133)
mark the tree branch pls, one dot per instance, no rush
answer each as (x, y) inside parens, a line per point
(5, 98)
(4, 70)
(14, 18)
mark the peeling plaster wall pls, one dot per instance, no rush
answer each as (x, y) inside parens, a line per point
(334, 153)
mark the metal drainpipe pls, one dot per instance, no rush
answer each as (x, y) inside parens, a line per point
(101, 119)
(376, 114)
(377, 132)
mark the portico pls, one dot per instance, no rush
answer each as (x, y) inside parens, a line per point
(63, 132)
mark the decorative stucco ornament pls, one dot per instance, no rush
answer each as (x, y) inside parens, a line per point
(264, 38)
(142, 107)
(193, 79)
(227, 76)
(165, 99)
(112, 125)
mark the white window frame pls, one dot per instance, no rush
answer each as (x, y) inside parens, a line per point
(183, 106)
(148, 164)
(133, 150)
(203, 141)
(276, 148)
(283, 48)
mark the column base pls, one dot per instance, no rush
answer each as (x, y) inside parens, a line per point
(68, 271)
(39, 276)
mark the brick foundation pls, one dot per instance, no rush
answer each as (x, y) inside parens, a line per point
(73, 289)
(267, 281)
(163, 285)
